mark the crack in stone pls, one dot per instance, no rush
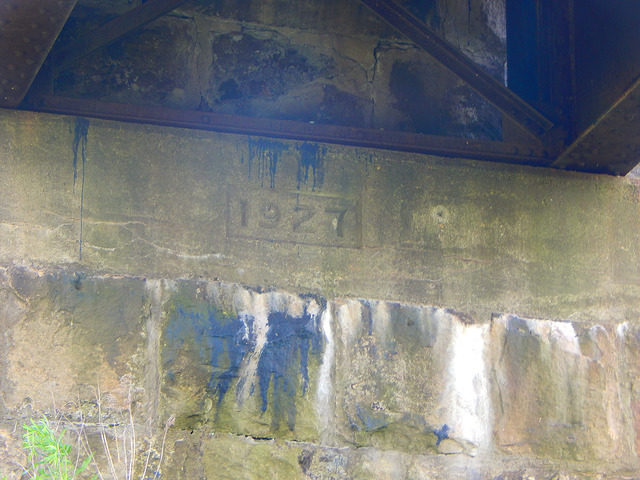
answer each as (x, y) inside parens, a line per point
(80, 140)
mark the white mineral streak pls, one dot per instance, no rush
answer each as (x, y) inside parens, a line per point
(616, 420)
(559, 334)
(169, 285)
(621, 329)
(325, 384)
(381, 321)
(152, 376)
(219, 292)
(612, 394)
(293, 305)
(424, 322)
(350, 321)
(615, 395)
(253, 310)
(496, 17)
(255, 305)
(313, 310)
(466, 396)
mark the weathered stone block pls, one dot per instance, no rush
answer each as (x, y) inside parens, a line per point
(338, 221)
(563, 391)
(241, 361)
(68, 336)
(36, 159)
(356, 387)
(148, 66)
(348, 372)
(410, 377)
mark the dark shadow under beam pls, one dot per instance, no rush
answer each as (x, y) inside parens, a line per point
(500, 96)
(293, 130)
(112, 31)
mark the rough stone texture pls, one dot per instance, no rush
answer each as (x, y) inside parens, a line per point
(241, 361)
(70, 342)
(91, 327)
(386, 353)
(478, 237)
(116, 74)
(298, 386)
(291, 460)
(325, 62)
(312, 311)
(565, 379)
(412, 92)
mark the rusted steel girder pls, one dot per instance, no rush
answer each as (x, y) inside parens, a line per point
(28, 29)
(500, 96)
(112, 31)
(287, 129)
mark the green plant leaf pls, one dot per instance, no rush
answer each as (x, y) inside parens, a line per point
(47, 452)
(85, 464)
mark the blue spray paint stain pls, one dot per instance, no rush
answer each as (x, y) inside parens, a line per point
(311, 157)
(371, 421)
(223, 342)
(267, 154)
(441, 433)
(367, 315)
(284, 362)
(80, 134)
(220, 341)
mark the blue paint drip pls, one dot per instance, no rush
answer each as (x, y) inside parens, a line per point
(223, 342)
(289, 341)
(214, 335)
(311, 157)
(80, 134)
(267, 153)
(441, 433)
(368, 317)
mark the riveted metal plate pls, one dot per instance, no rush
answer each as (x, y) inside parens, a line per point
(28, 29)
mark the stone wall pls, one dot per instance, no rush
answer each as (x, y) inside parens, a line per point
(315, 311)
(330, 62)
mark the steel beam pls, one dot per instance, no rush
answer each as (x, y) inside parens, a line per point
(504, 99)
(112, 31)
(612, 144)
(541, 57)
(293, 130)
(28, 29)
(607, 57)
